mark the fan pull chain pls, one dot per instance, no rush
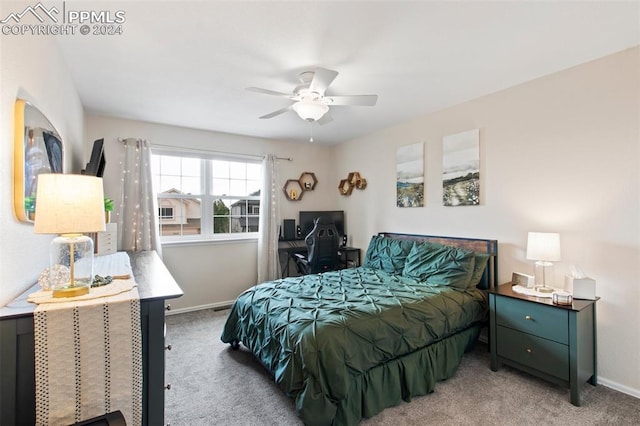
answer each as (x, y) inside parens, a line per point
(310, 131)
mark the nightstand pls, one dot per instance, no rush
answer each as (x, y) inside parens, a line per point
(554, 342)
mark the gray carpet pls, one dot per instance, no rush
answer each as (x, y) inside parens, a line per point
(212, 384)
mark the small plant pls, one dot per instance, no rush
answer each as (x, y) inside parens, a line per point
(30, 204)
(108, 204)
(108, 208)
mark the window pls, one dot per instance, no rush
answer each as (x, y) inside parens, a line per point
(200, 196)
(165, 212)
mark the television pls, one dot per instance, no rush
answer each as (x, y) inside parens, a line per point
(54, 150)
(326, 216)
(95, 166)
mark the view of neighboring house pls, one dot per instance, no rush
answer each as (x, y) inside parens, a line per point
(245, 214)
(182, 215)
(179, 216)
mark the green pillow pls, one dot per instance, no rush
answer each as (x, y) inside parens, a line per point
(478, 269)
(387, 254)
(437, 264)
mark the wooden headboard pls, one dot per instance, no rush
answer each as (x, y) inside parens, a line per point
(489, 278)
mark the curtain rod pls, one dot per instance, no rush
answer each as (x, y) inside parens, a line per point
(208, 150)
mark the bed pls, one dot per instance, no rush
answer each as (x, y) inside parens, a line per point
(347, 344)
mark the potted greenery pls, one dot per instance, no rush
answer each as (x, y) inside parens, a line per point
(108, 208)
(30, 207)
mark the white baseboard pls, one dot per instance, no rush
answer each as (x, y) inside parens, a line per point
(214, 306)
(618, 387)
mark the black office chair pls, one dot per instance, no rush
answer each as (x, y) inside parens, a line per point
(322, 250)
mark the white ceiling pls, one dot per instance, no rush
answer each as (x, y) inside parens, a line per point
(187, 63)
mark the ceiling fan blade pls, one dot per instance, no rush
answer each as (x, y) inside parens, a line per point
(278, 112)
(322, 78)
(359, 100)
(269, 92)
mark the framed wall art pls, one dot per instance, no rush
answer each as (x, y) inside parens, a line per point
(410, 175)
(461, 169)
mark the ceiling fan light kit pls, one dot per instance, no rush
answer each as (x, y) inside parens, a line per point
(309, 100)
(310, 109)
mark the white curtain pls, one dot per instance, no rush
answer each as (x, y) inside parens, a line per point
(268, 261)
(138, 221)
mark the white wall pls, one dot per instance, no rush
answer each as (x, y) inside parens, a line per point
(560, 153)
(215, 273)
(31, 68)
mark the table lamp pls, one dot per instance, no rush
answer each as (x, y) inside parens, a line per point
(544, 248)
(69, 205)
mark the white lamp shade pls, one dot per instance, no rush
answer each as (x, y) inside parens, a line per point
(310, 110)
(543, 246)
(69, 204)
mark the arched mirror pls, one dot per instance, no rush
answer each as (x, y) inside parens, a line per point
(37, 149)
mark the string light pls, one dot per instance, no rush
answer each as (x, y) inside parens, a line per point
(139, 225)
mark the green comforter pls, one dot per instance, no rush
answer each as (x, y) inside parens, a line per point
(316, 334)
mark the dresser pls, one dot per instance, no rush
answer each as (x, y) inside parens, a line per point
(17, 381)
(106, 242)
(554, 342)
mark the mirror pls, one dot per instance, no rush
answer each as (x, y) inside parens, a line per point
(37, 149)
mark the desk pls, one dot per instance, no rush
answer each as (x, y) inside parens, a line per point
(348, 257)
(17, 382)
(288, 253)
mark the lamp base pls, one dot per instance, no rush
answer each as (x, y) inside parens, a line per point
(543, 272)
(544, 289)
(75, 253)
(70, 291)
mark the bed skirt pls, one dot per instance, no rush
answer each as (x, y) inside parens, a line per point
(387, 385)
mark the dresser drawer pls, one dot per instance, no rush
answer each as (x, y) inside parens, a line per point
(540, 320)
(107, 242)
(541, 354)
(106, 245)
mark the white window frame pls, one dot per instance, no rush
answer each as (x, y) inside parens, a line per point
(164, 216)
(206, 198)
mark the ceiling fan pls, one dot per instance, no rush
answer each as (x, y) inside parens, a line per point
(309, 99)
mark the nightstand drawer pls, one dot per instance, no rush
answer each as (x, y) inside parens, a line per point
(540, 320)
(541, 354)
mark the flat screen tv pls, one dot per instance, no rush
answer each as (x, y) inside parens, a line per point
(326, 216)
(54, 151)
(95, 166)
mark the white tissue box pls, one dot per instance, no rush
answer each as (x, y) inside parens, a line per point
(580, 288)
